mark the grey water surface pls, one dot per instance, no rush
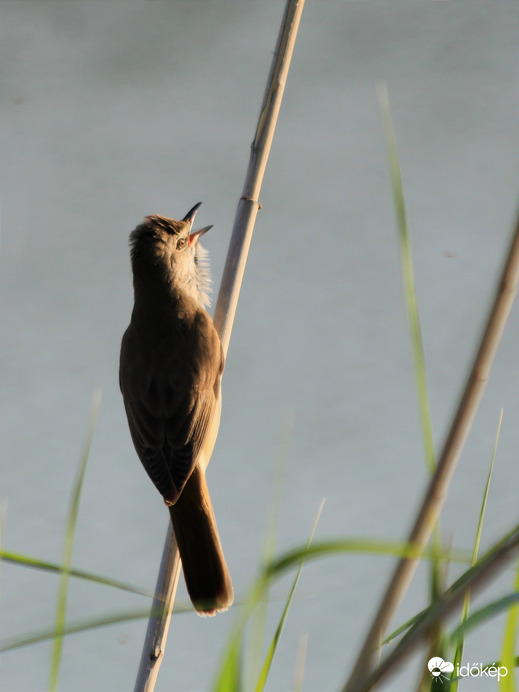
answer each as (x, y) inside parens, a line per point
(112, 111)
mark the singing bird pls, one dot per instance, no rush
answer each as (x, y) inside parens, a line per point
(170, 371)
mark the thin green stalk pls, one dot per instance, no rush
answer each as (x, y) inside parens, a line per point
(229, 677)
(277, 635)
(44, 565)
(61, 606)
(406, 261)
(78, 627)
(269, 544)
(403, 628)
(466, 603)
(357, 546)
(478, 617)
(508, 656)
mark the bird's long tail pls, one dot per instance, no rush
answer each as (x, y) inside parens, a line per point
(205, 571)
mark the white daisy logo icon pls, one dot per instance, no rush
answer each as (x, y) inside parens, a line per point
(439, 668)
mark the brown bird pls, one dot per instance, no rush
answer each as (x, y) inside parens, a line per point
(170, 370)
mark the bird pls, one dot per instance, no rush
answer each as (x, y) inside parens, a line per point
(170, 372)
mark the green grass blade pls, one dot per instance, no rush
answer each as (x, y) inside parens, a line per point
(413, 319)
(478, 617)
(467, 576)
(78, 627)
(458, 654)
(330, 548)
(477, 540)
(44, 565)
(408, 277)
(230, 675)
(61, 605)
(259, 619)
(277, 635)
(508, 657)
(404, 627)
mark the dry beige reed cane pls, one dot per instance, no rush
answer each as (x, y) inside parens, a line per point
(248, 205)
(436, 491)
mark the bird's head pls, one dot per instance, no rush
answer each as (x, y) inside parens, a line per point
(169, 251)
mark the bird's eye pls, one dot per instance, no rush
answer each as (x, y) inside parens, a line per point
(181, 243)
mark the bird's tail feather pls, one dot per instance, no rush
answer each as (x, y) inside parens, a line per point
(205, 571)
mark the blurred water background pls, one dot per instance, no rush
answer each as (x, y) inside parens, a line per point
(111, 111)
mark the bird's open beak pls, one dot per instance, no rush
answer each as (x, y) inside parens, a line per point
(190, 216)
(195, 236)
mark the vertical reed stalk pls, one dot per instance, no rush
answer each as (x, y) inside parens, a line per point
(437, 488)
(248, 205)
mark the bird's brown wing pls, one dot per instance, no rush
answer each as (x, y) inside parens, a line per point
(182, 446)
(168, 445)
(168, 419)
